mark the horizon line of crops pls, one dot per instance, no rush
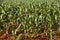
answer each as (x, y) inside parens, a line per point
(30, 17)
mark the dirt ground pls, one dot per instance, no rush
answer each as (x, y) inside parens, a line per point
(42, 36)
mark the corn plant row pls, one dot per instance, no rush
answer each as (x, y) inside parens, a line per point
(30, 17)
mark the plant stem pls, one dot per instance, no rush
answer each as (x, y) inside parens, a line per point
(50, 32)
(25, 34)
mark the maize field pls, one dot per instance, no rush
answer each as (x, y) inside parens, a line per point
(29, 20)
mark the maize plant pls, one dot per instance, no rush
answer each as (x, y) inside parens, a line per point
(27, 20)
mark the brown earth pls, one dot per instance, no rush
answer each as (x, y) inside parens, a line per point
(42, 36)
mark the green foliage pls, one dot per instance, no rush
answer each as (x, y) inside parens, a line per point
(30, 15)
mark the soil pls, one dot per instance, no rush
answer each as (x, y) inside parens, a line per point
(42, 36)
(22, 36)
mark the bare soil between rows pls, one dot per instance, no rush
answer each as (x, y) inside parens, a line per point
(42, 36)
